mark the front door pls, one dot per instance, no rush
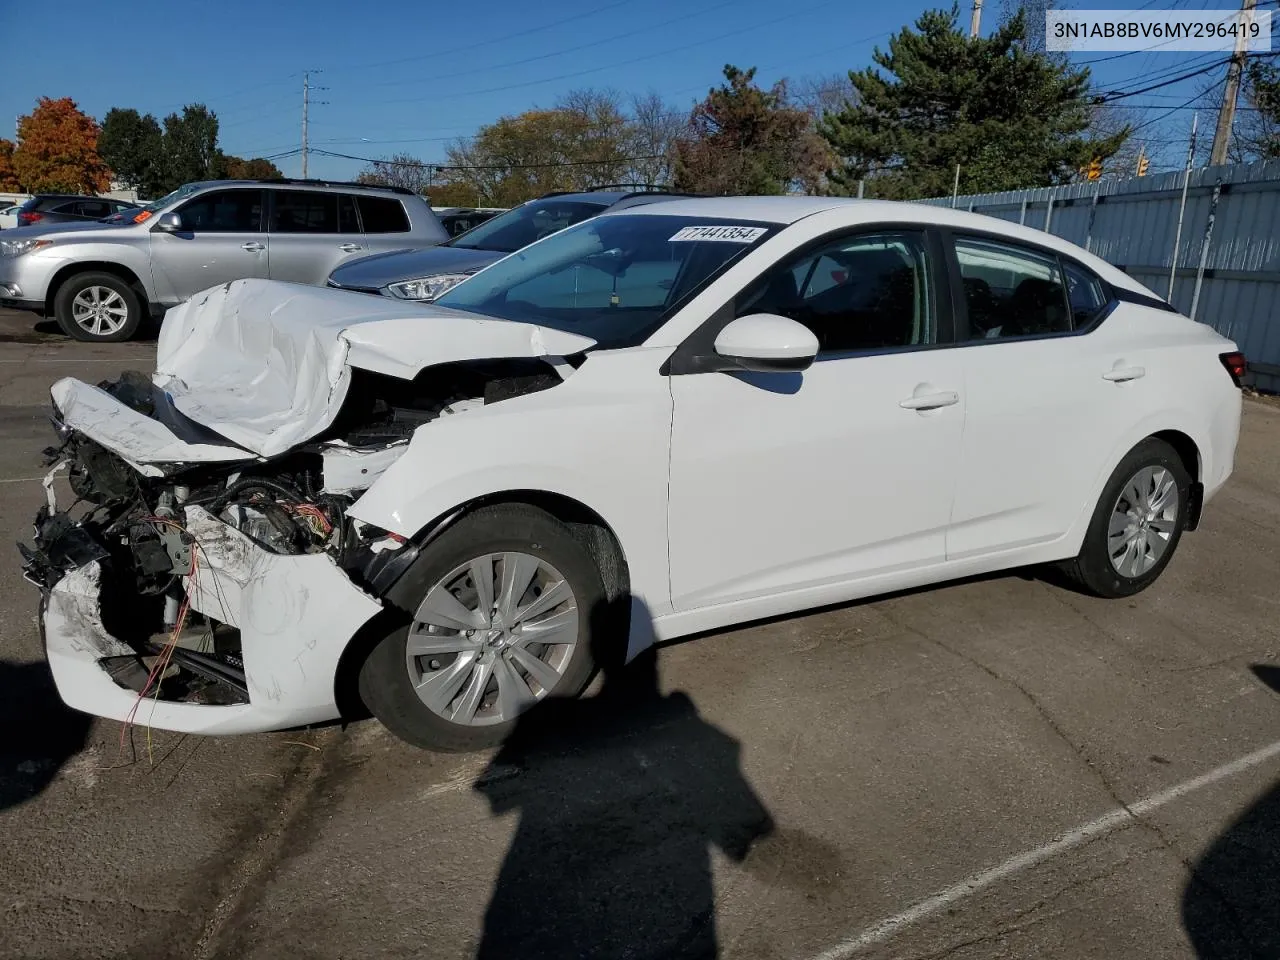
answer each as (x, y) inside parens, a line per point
(222, 239)
(782, 481)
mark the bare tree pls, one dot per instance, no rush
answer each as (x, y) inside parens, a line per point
(655, 127)
(399, 170)
(824, 94)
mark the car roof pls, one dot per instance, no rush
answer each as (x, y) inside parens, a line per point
(298, 184)
(788, 210)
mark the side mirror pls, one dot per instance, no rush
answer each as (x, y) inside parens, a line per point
(766, 342)
(169, 223)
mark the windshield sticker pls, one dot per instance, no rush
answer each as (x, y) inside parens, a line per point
(720, 234)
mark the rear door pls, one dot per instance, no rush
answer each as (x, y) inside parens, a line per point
(1044, 407)
(312, 232)
(384, 222)
(223, 238)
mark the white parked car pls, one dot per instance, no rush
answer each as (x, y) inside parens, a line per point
(664, 420)
(9, 216)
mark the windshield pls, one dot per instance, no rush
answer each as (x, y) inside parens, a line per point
(614, 279)
(184, 190)
(528, 222)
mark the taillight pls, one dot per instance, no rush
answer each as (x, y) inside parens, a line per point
(1235, 364)
(30, 217)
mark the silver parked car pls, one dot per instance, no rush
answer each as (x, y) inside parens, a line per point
(100, 280)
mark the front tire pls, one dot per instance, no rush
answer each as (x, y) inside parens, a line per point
(502, 605)
(98, 308)
(1137, 523)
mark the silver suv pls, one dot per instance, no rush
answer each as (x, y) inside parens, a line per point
(100, 280)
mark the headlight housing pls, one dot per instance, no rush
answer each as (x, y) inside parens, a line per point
(426, 288)
(16, 248)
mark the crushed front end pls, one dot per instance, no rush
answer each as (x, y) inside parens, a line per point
(204, 597)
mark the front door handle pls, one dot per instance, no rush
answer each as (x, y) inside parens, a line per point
(930, 401)
(253, 246)
(1124, 374)
(350, 247)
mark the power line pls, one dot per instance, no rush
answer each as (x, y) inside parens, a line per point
(559, 53)
(419, 164)
(790, 16)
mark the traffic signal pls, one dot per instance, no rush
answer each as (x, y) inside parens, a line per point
(1143, 163)
(1095, 169)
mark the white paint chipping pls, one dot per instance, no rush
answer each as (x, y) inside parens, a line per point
(1120, 817)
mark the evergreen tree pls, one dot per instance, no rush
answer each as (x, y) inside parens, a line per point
(1009, 116)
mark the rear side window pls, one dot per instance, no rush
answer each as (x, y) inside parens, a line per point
(94, 208)
(70, 207)
(383, 215)
(223, 211)
(1084, 293)
(1011, 291)
(304, 211)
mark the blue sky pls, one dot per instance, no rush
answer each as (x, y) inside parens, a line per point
(409, 77)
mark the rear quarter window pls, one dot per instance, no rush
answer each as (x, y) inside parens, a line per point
(382, 215)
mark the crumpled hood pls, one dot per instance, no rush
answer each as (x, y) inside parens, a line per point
(376, 271)
(267, 364)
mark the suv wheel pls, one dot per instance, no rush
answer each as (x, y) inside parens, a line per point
(98, 307)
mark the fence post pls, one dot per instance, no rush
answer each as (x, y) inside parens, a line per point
(1204, 246)
(1182, 207)
(861, 186)
(1093, 209)
(1022, 213)
(955, 187)
(1048, 211)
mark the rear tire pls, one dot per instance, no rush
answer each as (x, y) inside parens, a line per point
(1136, 525)
(456, 679)
(98, 308)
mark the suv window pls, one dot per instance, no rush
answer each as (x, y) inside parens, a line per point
(1011, 291)
(857, 293)
(223, 211)
(382, 215)
(1084, 293)
(71, 207)
(348, 222)
(304, 211)
(94, 208)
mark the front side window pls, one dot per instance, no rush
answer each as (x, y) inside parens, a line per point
(223, 211)
(528, 222)
(614, 279)
(869, 292)
(304, 211)
(1010, 291)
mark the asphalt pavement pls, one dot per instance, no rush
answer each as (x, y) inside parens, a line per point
(994, 768)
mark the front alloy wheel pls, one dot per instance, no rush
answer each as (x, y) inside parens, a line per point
(492, 637)
(503, 610)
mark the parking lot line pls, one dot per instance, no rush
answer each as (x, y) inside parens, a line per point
(20, 479)
(1127, 815)
(81, 360)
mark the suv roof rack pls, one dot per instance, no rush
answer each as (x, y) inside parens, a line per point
(334, 183)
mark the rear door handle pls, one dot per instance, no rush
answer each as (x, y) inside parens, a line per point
(350, 247)
(1124, 374)
(930, 401)
(253, 246)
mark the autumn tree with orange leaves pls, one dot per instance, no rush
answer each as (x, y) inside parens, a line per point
(8, 176)
(58, 150)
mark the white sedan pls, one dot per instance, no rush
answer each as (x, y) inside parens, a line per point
(670, 419)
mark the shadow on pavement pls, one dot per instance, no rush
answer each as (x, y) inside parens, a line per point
(40, 733)
(620, 797)
(1231, 907)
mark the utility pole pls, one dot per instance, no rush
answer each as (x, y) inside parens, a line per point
(1227, 114)
(1182, 206)
(306, 102)
(975, 24)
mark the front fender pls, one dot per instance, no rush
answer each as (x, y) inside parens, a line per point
(601, 439)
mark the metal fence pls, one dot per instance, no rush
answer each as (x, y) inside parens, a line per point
(1228, 250)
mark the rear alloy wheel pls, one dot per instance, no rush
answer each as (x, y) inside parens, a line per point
(1137, 523)
(98, 307)
(501, 612)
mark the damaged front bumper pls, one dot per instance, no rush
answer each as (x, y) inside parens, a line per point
(294, 615)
